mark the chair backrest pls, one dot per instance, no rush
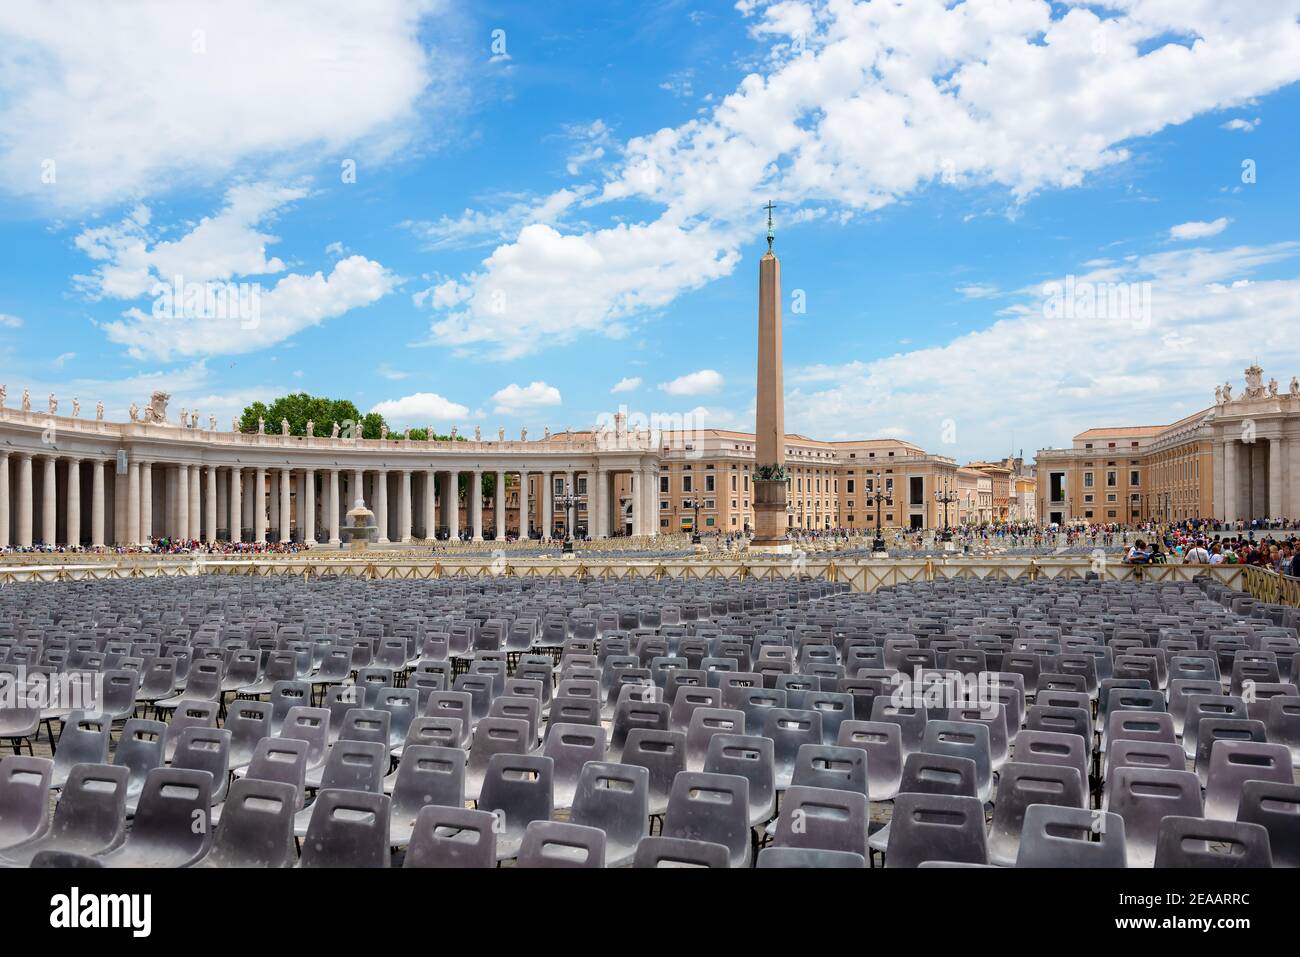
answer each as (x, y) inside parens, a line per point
(1143, 797)
(283, 760)
(830, 819)
(1198, 842)
(1276, 807)
(83, 740)
(614, 798)
(883, 744)
(452, 837)
(140, 749)
(256, 827)
(355, 766)
(711, 807)
(925, 773)
(205, 749)
(429, 774)
(936, 827)
(1019, 787)
(92, 806)
(1058, 836)
(680, 852)
(704, 724)
(558, 844)
(174, 814)
(518, 788)
(662, 753)
(348, 829)
(830, 766)
(24, 798)
(1232, 764)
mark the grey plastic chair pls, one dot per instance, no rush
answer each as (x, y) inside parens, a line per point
(571, 746)
(835, 709)
(1212, 730)
(348, 829)
(1199, 843)
(704, 724)
(630, 714)
(89, 819)
(452, 704)
(452, 837)
(517, 789)
(1052, 747)
(713, 808)
(427, 775)
(24, 799)
(749, 757)
(139, 750)
(553, 844)
(492, 736)
(64, 860)
(1145, 796)
(189, 714)
(911, 722)
(1063, 837)
(1282, 723)
(286, 695)
(83, 739)
(828, 819)
(616, 799)
(1019, 787)
(963, 740)
(205, 749)
(248, 723)
(171, 826)
(925, 773)
(829, 766)
(936, 827)
(1276, 807)
(1199, 707)
(882, 741)
(1232, 764)
(666, 852)
(1143, 754)
(663, 754)
(351, 766)
(808, 857)
(789, 730)
(256, 828)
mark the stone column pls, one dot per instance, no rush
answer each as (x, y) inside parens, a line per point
(223, 501)
(596, 510)
(381, 506)
(636, 486)
(309, 507)
(451, 501)
(334, 507)
(259, 506)
(571, 488)
(1230, 480)
(476, 504)
(132, 536)
(523, 505)
(5, 541)
(236, 500)
(652, 501)
(548, 503)
(357, 489)
(1276, 459)
(49, 502)
(286, 512)
(210, 505)
(96, 504)
(404, 505)
(183, 502)
(500, 496)
(73, 507)
(196, 502)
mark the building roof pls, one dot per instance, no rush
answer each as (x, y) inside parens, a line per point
(1132, 431)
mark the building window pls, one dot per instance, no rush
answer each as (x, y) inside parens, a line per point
(1087, 480)
(663, 483)
(850, 486)
(1112, 478)
(1133, 477)
(686, 483)
(708, 483)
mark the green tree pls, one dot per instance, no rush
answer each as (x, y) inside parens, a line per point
(300, 408)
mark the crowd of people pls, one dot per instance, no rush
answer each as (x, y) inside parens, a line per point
(1204, 546)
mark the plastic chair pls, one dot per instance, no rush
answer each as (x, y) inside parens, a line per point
(749, 757)
(823, 819)
(665, 852)
(1019, 787)
(808, 857)
(616, 799)
(24, 799)
(452, 837)
(171, 826)
(89, 819)
(663, 754)
(348, 829)
(1145, 796)
(1197, 842)
(256, 828)
(936, 827)
(1232, 764)
(713, 808)
(1276, 807)
(1058, 836)
(883, 744)
(556, 844)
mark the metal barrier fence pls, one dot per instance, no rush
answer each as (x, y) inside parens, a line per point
(861, 576)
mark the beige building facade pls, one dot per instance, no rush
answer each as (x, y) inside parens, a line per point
(1236, 461)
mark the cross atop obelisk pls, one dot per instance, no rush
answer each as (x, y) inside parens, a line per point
(769, 439)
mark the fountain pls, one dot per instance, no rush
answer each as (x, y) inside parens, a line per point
(360, 527)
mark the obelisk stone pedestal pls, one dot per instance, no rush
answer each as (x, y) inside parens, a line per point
(770, 522)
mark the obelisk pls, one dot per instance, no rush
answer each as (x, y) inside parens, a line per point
(769, 465)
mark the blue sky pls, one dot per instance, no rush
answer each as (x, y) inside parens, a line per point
(550, 200)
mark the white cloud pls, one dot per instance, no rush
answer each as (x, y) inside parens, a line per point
(126, 99)
(978, 290)
(517, 400)
(591, 141)
(475, 227)
(219, 247)
(295, 303)
(420, 409)
(62, 359)
(11, 322)
(703, 382)
(1240, 125)
(629, 384)
(883, 100)
(1199, 230)
(393, 375)
(1205, 323)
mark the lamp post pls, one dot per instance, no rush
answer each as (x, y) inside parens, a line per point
(568, 501)
(695, 522)
(945, 498)
(876, 497)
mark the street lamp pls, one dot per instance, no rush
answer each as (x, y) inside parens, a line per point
(876, 497)
(568, 501)
(694, 505)
(945, 498)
